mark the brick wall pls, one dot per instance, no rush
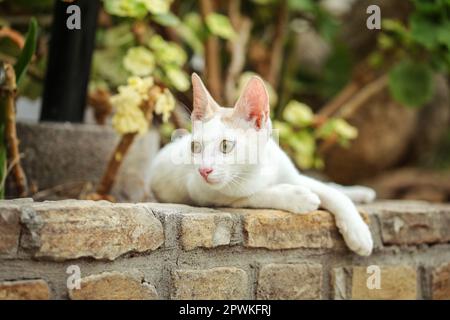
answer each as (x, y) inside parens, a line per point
(162, 251)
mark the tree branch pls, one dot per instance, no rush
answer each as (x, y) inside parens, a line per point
(238, 49)
(276, 59)
(350, 107)
(11, 133)
(109, 177)
(15, 36)
(212, 56)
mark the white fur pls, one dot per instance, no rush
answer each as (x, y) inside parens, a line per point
(273, 182)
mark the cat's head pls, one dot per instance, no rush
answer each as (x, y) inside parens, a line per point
(228, 143)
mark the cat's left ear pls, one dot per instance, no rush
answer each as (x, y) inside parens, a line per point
(253, 104)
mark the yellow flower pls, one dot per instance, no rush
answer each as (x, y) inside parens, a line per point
(129, 117)
(165, 104)
(130, 120)
(139, 61)
(141, 85)
(126, 97)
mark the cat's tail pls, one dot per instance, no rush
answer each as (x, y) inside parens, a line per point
(355, 231)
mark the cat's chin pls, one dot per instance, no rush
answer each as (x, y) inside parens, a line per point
(213, 184)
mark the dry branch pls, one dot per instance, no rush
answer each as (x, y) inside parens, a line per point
(276, 59)
(350, 106)
(109, 177)
(13, 35)
(238, 49)
(11, 133)
(212, 56)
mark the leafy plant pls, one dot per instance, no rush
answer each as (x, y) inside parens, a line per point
(145, 54)
(415, 51)
(27, 52)
(301, 131)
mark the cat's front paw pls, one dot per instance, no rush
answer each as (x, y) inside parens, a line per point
(361, 194)
(358, 237)
(300, 200)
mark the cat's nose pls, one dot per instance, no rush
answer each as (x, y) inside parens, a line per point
(204, 172)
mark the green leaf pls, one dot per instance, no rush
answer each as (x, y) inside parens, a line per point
(423, 31)
(427, 6)
(443, 34)
(167, 19)
(301, 5)
(157, 6)
(297, 113)
(167, 52)
(385, 42)
(126, 8)
(178, 78)
(28, 50)
(284, 130)
(190, 37)
(116, 36)
(139, 61)
(220, 25)
(411, 83)
(394, 26)
(327, 25)
(105, 67)
(192, 31)
(344, 130)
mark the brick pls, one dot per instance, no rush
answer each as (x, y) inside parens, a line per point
(273, 229)
(114, 286)
(9, 228)
(24, 290)
(412, 222)
(397, 283)
(290, 281)
(440, 286)
(227, 283)
(72, 229)
(205, 230)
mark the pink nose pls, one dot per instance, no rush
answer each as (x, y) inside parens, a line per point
(204, 172)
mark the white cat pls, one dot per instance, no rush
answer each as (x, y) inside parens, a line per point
(222, 164)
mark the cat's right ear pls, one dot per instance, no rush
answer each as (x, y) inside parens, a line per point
(204, 105)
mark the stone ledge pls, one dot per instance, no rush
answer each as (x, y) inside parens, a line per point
(151, 251)
(24, 290)
(71, 229)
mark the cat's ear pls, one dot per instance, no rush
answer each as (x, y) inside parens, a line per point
(204, 105)
(253, 104)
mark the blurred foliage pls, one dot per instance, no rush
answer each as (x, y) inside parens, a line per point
(415, 51)
(135, 48)
(165, 40)
(27, 52)
(299, 133)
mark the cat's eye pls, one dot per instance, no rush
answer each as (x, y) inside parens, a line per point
(196, 147)
(227, 146)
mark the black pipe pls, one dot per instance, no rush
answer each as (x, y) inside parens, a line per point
(69, 63)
